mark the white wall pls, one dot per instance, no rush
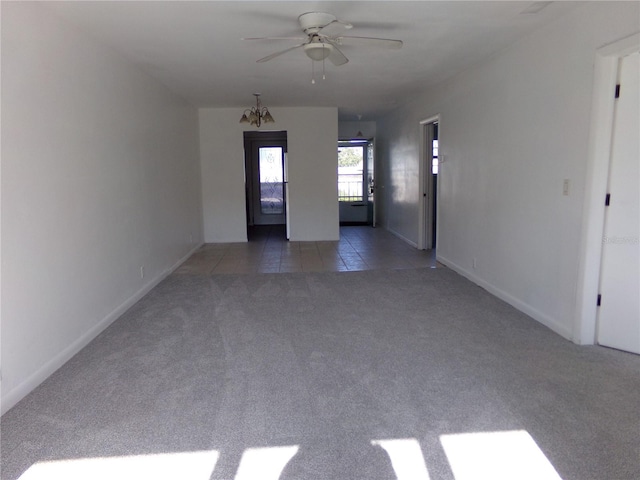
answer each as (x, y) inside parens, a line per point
(347, 130)
(512, 129)
(312, 137)
(100, 176)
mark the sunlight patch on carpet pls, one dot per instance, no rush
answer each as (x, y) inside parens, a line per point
(406, 458)
(163, 466)
(497, 455)
(265, 463)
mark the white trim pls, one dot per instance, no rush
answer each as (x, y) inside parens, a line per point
(600, 135)
(23, 389)
(537, 315)
(423, 202)
(402, 237)
(621, 48)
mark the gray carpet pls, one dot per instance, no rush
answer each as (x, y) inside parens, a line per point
(329, 362)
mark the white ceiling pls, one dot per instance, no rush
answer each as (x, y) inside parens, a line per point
(196, 48)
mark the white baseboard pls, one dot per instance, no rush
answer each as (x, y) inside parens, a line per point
(545, 320)
(402, 237)
(16, 394)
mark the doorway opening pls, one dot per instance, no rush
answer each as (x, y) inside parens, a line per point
(429, 169)
(265, 179)
(434, 179)
(356, 182)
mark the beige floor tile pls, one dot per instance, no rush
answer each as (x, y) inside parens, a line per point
(267, 251)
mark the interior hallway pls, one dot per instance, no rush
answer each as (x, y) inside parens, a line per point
(268, 251)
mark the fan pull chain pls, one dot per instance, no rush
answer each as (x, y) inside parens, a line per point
(313, 75)
(323, 75)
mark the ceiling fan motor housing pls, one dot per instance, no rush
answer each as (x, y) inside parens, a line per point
(312, 22)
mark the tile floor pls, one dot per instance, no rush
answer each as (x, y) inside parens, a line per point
(268, 251)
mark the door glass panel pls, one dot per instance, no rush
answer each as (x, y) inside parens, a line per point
(350, 173)
(434, 158)
(370, 173)
(271, 181)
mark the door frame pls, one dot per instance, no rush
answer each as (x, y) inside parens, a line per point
(598, 159)
(279, 137)
(426, 188)
(364, 144)
(370, 183)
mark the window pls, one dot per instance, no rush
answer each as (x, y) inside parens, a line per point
(434, 161)
(271, 178)
(351, 173)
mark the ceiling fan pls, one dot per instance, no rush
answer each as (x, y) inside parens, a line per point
(323, 36)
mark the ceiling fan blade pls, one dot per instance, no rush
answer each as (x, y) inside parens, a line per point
(337, 57)
(382, 42)
(335, 28)
(274, 38)
(277, 54)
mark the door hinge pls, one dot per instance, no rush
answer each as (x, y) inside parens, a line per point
(599, 299)
(617, 95)
(607, 200)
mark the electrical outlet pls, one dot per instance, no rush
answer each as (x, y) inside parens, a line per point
(565, 187)
(475, 263)
(141, 272)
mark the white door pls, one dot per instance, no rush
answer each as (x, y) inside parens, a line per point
(286, 193)
(619, 312)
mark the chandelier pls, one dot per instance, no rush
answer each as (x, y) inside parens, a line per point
(257, 115)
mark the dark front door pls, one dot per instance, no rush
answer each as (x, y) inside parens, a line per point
(265, 177)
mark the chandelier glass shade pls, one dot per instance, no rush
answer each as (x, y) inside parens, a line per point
(257, 115)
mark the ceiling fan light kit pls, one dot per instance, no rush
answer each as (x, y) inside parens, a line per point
(257, 115)
(318, 51)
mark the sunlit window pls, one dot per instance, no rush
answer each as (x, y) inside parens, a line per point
(351, 173)
(271, 181)
(434, 158)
